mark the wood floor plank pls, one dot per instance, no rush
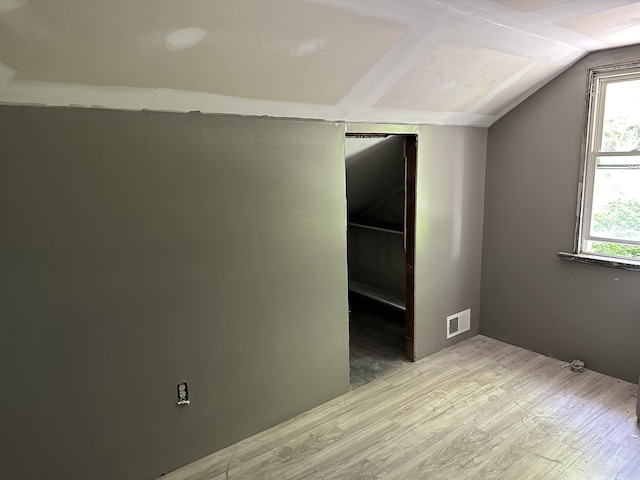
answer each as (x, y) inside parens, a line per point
(479, 410)
(604, 460)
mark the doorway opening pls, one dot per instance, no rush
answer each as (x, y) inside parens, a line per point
(381, 207)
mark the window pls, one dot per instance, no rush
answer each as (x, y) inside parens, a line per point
(609, 220)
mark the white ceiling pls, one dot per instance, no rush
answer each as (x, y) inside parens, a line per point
(453, 62)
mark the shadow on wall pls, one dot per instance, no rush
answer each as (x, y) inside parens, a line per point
(372, 170)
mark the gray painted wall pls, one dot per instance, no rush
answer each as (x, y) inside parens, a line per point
(529, 297)
(449, 216)
(139, 249)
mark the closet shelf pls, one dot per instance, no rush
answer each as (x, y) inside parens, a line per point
(377, 225)
(378, 295)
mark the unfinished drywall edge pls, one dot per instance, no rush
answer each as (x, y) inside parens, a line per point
(54, 94)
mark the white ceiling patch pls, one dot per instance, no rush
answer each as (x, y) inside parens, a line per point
(530, 5)
(307, 47)
(184, 38)
(616, 26)
(453, 77)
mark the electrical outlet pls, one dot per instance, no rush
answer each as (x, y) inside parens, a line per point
(183, 393)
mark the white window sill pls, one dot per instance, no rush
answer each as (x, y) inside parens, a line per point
(623, 263)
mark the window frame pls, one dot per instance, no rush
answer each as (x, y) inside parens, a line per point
(598, 79)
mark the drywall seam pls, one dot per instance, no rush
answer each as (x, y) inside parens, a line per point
(404, 14)
(534, 89)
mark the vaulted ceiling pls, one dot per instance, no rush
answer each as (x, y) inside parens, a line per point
(453, 62)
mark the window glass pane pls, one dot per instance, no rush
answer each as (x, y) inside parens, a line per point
(615, 211)
(621, 121)
(614, 249)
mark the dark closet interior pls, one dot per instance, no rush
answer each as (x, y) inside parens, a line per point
(377, 173)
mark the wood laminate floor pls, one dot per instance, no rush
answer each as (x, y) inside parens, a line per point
(376, 340)
(481, 410)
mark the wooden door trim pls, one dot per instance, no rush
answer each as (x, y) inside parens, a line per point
(411, 154)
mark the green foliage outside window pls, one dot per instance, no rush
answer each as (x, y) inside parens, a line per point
(616, 249)
(622, 219)
(620, 134)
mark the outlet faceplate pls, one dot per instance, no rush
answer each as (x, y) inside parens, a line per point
(183, 393)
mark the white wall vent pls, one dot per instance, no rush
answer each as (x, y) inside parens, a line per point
(458, 323)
